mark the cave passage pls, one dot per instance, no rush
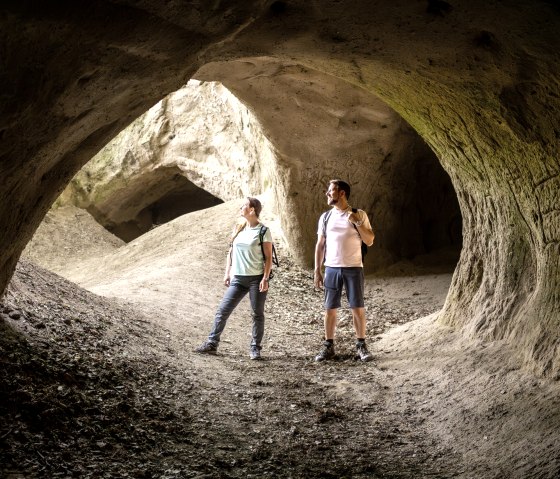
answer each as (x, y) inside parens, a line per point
(179, 196)
(423, 223)
(404, 188)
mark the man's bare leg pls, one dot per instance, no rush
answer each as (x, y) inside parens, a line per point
(359, 319)
(330, 323)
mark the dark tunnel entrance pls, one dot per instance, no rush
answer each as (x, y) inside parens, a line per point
(426, 225)
(170, 197)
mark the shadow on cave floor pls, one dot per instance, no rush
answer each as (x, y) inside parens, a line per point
(96, 389)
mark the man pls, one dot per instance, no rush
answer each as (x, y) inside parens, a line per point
(339, 241)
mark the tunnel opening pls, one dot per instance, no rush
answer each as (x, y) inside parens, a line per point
(426, 229)
(196, 148)
(132, 205)
(175, 195)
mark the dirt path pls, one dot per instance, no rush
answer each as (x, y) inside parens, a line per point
(285, 416)
(288, 416)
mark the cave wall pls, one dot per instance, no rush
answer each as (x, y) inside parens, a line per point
(330, 127)
(74, 75)
(478, 80)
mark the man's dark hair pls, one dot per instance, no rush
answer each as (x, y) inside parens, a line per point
(342, 185)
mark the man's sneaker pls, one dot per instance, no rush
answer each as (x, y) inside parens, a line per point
(362, 352)
(207, 348)
(255, 352)
(326, 353)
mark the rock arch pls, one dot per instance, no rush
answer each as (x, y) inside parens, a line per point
(197, 147)
(323, 127)
(478, 81)
(203, 136)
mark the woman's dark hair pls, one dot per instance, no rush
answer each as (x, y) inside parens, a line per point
(342, 185)
(256, 204)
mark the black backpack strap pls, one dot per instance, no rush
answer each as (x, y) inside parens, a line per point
(326, 217)
(262, 232)
(354, 210)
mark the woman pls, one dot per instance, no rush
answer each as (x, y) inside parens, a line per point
(247, 271)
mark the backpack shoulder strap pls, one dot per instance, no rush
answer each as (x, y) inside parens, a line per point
(364, 246)
(326, 217)
(262, 231)
(355, 210)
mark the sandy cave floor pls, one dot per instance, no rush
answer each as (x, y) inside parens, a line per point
(109, 387)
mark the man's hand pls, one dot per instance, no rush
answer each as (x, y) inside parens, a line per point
(318, 279)
(354, 218)
(226, 280)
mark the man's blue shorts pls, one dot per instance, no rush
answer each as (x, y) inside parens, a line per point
(353, 281)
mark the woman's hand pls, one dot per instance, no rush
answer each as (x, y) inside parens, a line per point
(263, 286)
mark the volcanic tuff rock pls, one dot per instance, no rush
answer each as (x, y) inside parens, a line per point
(477, 80)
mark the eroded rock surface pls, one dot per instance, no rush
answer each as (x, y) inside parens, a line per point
(324, 128)
(477, 80)
(200, 145)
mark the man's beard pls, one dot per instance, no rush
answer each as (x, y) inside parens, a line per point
(333, 201)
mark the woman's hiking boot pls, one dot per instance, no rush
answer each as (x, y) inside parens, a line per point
(255, 352)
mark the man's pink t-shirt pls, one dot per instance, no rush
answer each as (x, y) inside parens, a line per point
(343, 244)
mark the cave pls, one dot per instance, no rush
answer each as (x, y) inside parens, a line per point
(149, 173)
(477, 81)
(484, 104)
